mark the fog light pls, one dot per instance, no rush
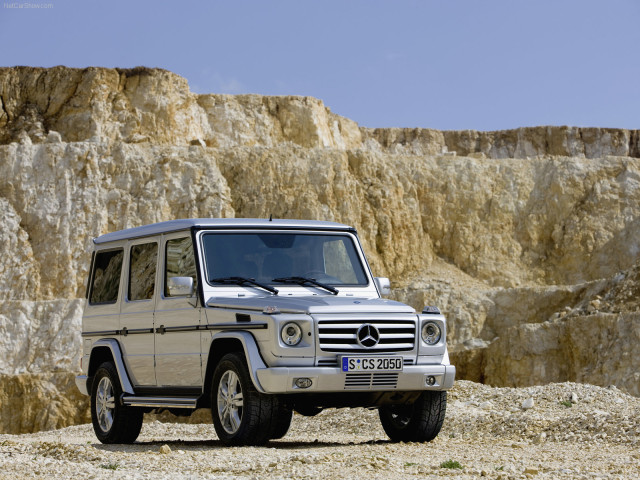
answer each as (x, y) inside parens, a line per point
(431, 380)
(302, 382)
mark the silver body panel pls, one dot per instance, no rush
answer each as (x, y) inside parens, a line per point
(138, 348)
(217, 223)
(281, 379)
(177, 353)
(304, 303)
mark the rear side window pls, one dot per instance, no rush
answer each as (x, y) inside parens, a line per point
(180, 261)
(106, 276)
(142, 271)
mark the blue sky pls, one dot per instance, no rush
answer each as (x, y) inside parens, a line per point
(449, 65)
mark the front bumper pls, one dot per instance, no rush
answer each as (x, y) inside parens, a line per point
(328, 379)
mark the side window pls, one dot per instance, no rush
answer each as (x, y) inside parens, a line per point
(180, 261)
(106, 276)
(142, 271)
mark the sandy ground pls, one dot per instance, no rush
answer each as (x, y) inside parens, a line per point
(556, 431)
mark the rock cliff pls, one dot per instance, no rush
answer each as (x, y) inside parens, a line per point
(527, 239)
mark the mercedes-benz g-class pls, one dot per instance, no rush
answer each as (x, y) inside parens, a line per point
(254, 319)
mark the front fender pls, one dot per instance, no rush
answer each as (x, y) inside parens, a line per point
(251, 353)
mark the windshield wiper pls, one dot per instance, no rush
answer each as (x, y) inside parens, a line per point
(242, 281)
(306, 281)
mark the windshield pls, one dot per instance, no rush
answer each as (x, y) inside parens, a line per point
(274, 258)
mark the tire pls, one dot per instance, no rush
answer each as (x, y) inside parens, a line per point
(241, 414)
(418, 422)
(112, 422)
(282, 424)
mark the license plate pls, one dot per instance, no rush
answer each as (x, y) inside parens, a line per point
(372, 364)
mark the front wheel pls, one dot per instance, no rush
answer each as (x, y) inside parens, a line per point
(282, 424)
(418, 422)
(241, 414)
(112, 422)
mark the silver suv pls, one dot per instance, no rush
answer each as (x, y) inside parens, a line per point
(254, 319)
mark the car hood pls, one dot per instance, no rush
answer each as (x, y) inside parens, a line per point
(311, 304)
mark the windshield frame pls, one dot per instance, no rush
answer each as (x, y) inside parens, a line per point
(357, 250)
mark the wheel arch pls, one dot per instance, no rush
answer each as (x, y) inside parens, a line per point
(229, 342)
(108, 350)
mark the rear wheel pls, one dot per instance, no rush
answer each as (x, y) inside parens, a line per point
(418, 422)
(112, 422)
(241, 414)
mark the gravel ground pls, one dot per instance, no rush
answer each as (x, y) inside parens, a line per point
(560, 431)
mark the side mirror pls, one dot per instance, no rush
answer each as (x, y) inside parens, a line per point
(180, 286)
(383, 285)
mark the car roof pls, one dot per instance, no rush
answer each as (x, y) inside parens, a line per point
(219, 223)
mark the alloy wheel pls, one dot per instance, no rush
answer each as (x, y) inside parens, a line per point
(105, 404)
(230, 402)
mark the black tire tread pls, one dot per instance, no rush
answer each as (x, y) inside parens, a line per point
(282, 423)
(426, 417)
(260, 414)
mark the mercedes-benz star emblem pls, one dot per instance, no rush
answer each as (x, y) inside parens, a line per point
(368, 335)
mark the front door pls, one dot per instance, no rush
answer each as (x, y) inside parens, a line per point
(177, 320)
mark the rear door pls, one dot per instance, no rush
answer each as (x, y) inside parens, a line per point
(136, 313)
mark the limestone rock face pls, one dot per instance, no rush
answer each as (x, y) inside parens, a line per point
(19, 273)
(40, 336)
(61, 195)
(597, 349)
(32, 402)
(521, 237)
(155, 106)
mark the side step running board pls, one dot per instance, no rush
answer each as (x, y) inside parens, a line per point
(160, 402)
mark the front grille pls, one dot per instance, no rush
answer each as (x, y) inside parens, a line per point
(366, 381)
(340, 335)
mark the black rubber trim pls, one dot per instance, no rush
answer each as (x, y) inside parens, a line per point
(101, 333)
(89, 282)
(186, 328)
(196, 254)
(238, 326)
(135, 331)
(125, 331)
(183, 328)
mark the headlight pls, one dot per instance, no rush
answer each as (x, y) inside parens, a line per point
(431, 333)
(291, 334)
